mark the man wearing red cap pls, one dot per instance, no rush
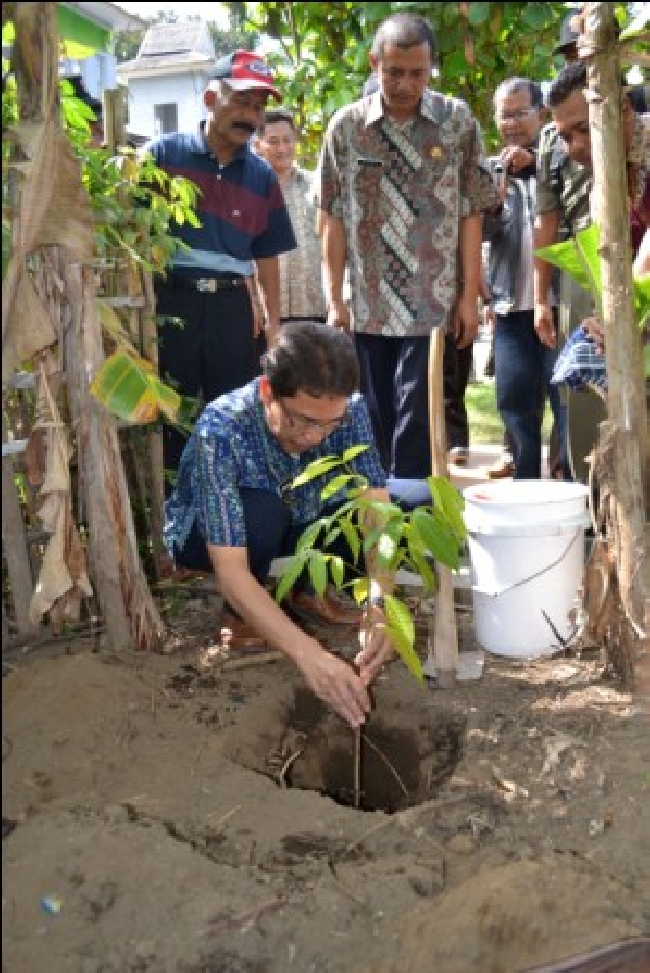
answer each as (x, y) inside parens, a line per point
(244, 225)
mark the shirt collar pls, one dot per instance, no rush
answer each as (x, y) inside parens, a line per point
(430, 107)
(200, 145)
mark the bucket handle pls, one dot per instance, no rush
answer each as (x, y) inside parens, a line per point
(531, 577)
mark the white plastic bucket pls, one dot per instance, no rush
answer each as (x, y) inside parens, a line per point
(526, 548)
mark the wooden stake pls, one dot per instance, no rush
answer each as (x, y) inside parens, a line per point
(445, 636)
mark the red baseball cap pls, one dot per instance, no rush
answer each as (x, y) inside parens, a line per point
(243, 71)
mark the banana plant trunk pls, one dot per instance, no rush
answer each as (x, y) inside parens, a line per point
(130, 615)
(57, 238)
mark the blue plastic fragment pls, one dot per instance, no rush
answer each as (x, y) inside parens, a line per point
(51, 905)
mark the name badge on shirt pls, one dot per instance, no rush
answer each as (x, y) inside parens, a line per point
(370, 163)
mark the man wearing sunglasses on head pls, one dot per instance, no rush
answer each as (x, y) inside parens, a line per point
(235, 508)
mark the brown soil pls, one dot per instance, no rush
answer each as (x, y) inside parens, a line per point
(188, 817)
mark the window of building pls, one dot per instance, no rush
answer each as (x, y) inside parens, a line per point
(165, 119)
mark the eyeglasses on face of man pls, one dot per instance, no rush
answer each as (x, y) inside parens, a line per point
(306, 424)
(515, 116)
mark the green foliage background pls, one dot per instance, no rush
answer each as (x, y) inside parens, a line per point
(322, 51)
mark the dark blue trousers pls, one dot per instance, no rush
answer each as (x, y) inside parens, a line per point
(206, 348)
(523, 368)
(394, 381)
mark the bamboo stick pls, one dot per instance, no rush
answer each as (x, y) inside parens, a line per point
(445, 636)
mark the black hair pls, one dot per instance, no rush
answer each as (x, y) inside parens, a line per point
(403, 30)
(512, 86)
(313, 358)
(572, 77)
(272, 115)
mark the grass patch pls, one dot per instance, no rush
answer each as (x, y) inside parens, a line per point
(485, 425)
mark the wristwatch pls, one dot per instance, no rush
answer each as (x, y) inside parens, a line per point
(375, 601)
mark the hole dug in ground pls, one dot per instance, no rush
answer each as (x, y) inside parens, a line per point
(408, 752)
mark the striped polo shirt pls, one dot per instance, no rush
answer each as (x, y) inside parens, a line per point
(240, 205)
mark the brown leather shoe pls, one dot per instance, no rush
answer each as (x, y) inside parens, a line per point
(503, 468)
(238, 634)
(326, 610)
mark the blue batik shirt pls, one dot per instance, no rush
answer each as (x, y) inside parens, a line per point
(232, 447)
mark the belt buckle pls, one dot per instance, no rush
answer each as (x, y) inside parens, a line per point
(206, 285)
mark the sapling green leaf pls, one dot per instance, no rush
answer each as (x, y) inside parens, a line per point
(351, 536)
(308, 537)
(337, 484)
(315, 469)
(332, 535)
(352, 452)
(317, 568)
(423, 568)
(360, 588)
(438, 540)
(395, 537)
(337, 570)
(291, 573)
(402, 629)
(448, 502)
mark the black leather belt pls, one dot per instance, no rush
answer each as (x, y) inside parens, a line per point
(205, 285)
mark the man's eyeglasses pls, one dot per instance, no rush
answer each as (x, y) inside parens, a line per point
(306, 424)
(515, 116)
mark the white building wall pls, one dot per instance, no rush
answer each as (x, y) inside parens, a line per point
(98, 72)
(186, 91)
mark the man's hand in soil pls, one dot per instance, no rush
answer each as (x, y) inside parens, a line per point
(337, 684)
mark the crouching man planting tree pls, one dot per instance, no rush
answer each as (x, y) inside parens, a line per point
(235, 506)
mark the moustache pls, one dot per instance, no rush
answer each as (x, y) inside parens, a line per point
(245, 126)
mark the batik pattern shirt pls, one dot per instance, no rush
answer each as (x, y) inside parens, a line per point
(232, 447)
(402, 190)
(301, 289)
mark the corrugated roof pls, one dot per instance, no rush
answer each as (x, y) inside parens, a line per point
(180, 60)
(185, 38)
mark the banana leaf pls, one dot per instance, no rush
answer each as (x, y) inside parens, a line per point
(128, 386)
(580, 258)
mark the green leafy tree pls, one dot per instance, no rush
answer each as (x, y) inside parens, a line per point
(321, 51)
